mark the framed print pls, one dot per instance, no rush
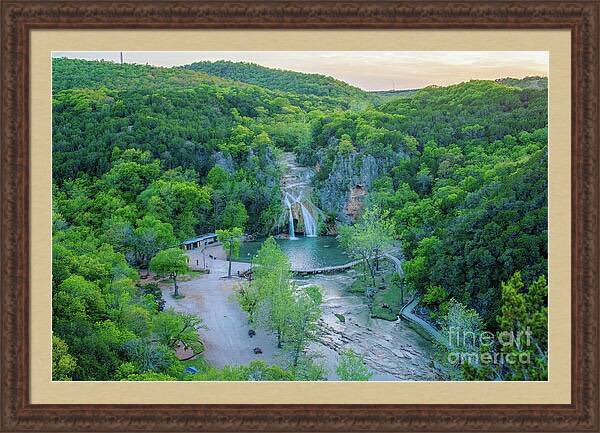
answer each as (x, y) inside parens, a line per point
(300, 216)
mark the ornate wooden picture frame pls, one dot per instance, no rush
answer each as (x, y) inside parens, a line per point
(582, 18)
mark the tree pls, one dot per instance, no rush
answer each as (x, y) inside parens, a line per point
(518, 350)
(271, 288)
(173, 329)
(231, 238)
(461, 338)
(274, 303)
(309, 368)
(149, 237)
(152, 235)
(184, 203)
(149, 377)
(304, 312)
(131, 173)
(345, 146)
(171, 262)
(234, 215)
(351, 366)
(63, 363)
(149, 355)
(217, 177)
(79, 299)
(153, 290)
(368, 238)
(524, 318)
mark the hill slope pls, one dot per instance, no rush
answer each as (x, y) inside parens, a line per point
(278, 79)
(461, 171)
(534, 82)
(145, 157)
(186, 120)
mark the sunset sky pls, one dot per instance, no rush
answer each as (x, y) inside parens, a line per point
(369, 70)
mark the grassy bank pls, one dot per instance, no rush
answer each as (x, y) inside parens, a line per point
(386, 302)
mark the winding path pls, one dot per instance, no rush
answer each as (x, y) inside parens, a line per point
(407, 310)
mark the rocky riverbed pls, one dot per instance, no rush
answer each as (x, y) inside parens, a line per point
(393, 350)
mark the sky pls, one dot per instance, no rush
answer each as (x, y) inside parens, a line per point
(369, 70)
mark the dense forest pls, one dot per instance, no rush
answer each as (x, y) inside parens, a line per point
(145, 157)
(466, 195)
(282, 80)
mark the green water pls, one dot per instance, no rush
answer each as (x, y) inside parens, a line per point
(304, 252)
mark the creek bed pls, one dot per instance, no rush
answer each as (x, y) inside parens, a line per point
(392, 350)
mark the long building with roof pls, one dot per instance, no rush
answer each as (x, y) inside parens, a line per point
(199, 241)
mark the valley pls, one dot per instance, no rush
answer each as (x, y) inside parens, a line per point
(230, 221)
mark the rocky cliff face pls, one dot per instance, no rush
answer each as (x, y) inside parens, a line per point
(225, 162)
(263, 163)
(354, 204)
(342, 194)
(262, 166)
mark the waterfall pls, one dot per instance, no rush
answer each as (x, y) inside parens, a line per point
(292, 232)
(295, 185)
(310, 225)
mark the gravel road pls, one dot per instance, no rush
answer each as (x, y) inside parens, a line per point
(210, 297)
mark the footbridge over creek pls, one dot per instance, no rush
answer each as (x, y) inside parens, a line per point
(324, 270)
(327, 269)
(314, 271)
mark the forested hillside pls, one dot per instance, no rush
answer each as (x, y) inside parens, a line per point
(146, 157)
(185, 120)
(462, 170)
(278, 79)
(389, 94)
(534, 82)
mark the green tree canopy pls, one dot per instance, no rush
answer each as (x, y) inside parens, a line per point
(368, 238)
(352, 367)
(171, 262)
(231, 238)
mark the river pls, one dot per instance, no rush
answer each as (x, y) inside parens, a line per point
(392, 350)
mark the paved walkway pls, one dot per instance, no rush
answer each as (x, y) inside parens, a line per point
(407, 310)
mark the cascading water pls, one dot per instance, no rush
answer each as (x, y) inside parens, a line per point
(310, 225)
(296, 190)
(292, 231)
